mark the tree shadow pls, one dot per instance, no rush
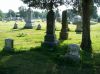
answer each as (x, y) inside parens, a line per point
(97, 62)
(47, 60)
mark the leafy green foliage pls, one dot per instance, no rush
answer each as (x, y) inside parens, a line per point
(1, 15)
(94, 13)
(48, 4)
(22, 12)
(11, 13)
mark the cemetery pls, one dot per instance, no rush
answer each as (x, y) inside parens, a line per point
(38, 46)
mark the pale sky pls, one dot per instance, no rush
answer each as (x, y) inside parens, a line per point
(5, 5)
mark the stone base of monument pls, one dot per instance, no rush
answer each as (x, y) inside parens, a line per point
(50, 40)
(8, 45)
(50, 44)
(78, 28)
(28, 27)
(63, 36)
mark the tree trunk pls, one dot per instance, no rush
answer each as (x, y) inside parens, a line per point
(86, 40)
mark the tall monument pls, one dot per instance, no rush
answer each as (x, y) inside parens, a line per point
(28, 19)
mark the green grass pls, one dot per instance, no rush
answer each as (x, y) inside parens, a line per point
(30, 58)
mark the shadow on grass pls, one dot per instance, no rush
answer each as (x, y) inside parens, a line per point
(39, 60)
(47, 60)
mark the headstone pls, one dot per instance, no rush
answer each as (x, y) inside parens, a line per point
(38, 27)
(78, 21)
(8, 45)
(79, 27)
(15, 26)
(73, 53)
(50, 38)
(28, 24)
(64, 30)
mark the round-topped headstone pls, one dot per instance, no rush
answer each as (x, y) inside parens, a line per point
(15, 26)
(78, 21)
(38, 27)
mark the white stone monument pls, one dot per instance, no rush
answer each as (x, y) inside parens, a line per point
(28, 21)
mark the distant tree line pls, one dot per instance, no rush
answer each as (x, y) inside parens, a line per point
(12, 15)
(36, 14)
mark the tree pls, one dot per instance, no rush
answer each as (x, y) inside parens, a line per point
(22, 11)
(1, 15)
(86, 40)
(86, 12)
(44, 14)
(97, 2)
(70, 14)
(36, 14)
(11, 13)
(94, 13)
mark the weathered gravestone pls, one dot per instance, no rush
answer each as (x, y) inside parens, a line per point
(64, 29)
(77, 20)
(38, 27)
(28, 21)
(50, 38)
(8, 45)
(15, 26)
(73, 53)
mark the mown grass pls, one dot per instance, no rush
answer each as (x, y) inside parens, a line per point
(30, 58)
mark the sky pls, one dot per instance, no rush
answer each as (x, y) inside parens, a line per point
(5, 5)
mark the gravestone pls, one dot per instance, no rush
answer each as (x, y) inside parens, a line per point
(73, 53)
(8, 45)
(64, 29)
(50, 38)
(15, 26)
(79, 27)
(77, 20)
(28, 24)
(38, 27)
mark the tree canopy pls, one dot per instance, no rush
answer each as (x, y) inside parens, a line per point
(49, 4)
(11, 13)
(22, 11)
(1, 15)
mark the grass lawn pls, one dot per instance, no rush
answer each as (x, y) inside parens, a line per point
(30, 58)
